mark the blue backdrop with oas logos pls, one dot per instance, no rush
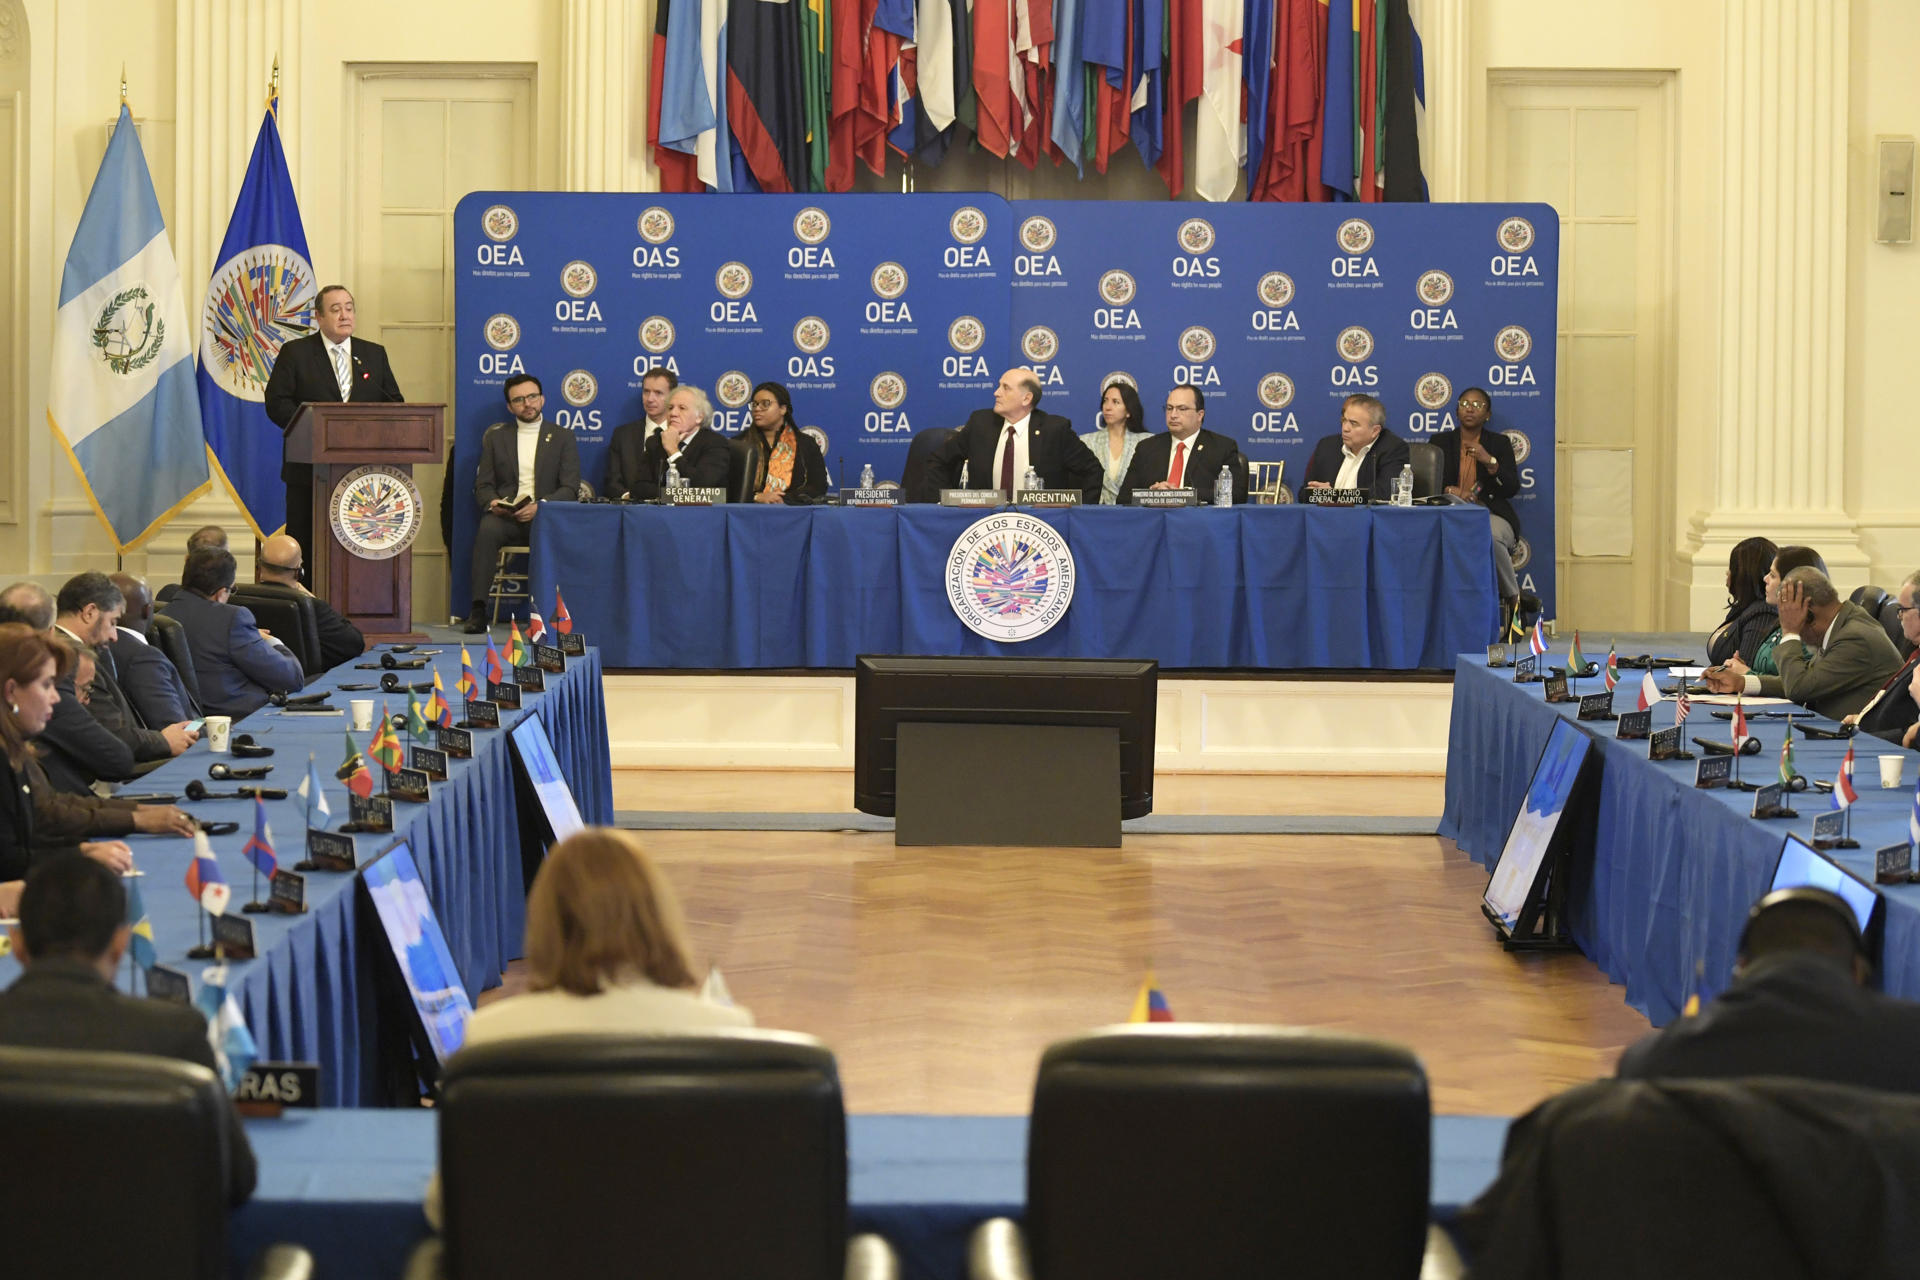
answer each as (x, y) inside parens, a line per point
(885, 315)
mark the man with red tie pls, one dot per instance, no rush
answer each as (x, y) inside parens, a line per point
(1186, 455)
(999, 444)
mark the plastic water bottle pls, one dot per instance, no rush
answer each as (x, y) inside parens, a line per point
(674, 479)
(1031, 480)
(1403, 488)
(1223, 487)
(866, 476)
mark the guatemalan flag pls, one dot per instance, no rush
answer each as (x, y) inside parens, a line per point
(123, 403)
(261, 297)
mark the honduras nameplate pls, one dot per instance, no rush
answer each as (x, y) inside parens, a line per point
(574, 644)
(530, 679)
(407, 784)
(1893, 864)
(1634, 726)
(1047, 497)
(690, 497)
(287, 893)
(275, 1085)
(1713, 772)
(428, 761)
(1526, 670)
(370, 813)
(1335, 497)
(550, 658)
(1556, 687)
(233, 937)
(455, 744)
(330, 851)
(872, 497)
(482, 714)
(1596, 706)
(1165, 498)
(973, 497)
(1830, 830)
(504, 694)
(173, 986)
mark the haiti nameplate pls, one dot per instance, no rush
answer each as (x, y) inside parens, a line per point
(287, 893)
(233, 937)
(371, 814)
(973, 497)
(172, 985)
(407, 784)
(1336, 497)
(1046, 498)
(574, 644)
(1713, 772)
(1596, 706)
(482, 715)
(1527, 670)
(428, 761)
(686, 496)
(504, 695)
(455, 744)
(1165, 498)
(1556, 687)
(875, 497)
(1634, 726)
(1830, 831)
(550, 659)
(1893, 863)
(530, 679)
(272, 1086)
(330, 851)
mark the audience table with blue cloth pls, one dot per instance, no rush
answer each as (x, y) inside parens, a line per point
(303, 997)
(758, 585)
(348, 1185)
(1674, 870)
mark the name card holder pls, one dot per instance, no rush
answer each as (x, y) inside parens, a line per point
(1336, 497)
(407, 784)
(455, 744)
(530, 679)
(874, 497)
(371, 815)
(506, 694)
(973, 497)
(481, 714)
(329, 851)
(232, 938)
(268, 1088)
(1893, 864)
(1165, 498)
(287, 893)
(687, 496)
(1830, 831)
(1596, 706)
(1556, 687)
(550, 658)
(1770, 802)
(574, 644)
(170, 985)
(428, 761)
(1667, 745)
(1046, 498)
(1527, 670)
(1713, 773)
(1634, 726)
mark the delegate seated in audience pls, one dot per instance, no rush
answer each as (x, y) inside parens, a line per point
(627, 451)
(27, 602)
(237, 665)
(1832, 654)
(1758, 660)
(1186, 455)
(523, 462)
(282, 564)
(80, 748)
(88, 612)
(147, 676)
(1798, 1006)
(207, 537)
(1477, 464)
(1753, 613)
(1363, 454)
(1894, 711)
(773, 461)
(71, 937)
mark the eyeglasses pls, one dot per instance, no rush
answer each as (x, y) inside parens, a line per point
(1182, 408)
(766, 404)
(1902, 610)
(528, 398)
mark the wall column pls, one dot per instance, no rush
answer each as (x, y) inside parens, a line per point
(603, 104)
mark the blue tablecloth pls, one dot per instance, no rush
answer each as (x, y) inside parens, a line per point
(305, 996)
(1255, 587)
(348, 1184)
(1673, 870)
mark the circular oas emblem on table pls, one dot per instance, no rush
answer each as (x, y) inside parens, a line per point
(1010, 577)
(1434, 288)
(889, 390)
(732, 389)
(811, 334)
(1038, 234)
(1515, 235)
(656, 334)
(733, 280)
(1522, 447)
(579, 388)
(967, 224)
(1355, 235)
(966, 335)
(1276, 289)
(1040, 344)
(500, 222)
(1195, 235)
(655, 225)
(261, 299)
(1512, 343)
(811, 225)
(376, 512)
(1433, 390)
(889, 280)
(502, 332)
(578, 278)
(1276, 391)
(1354, 343)
(1117, 288)
(1197, 344)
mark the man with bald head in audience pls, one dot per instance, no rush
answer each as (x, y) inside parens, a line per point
(281, 564)
(147, 676)
(27, 602)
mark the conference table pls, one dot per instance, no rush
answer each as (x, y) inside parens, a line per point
(348, 1185)
(763, 586)
(1660, 888)
(308, 995)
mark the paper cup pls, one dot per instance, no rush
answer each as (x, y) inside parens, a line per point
(1890, 769)
(362, 713)
(219, 730)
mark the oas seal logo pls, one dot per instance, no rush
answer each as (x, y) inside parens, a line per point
(500, 222)
(1522, 447)
(1515, 235)
(967, 224)
(818, 436)
(579, 388)
(1275, 289)
(1040, 343)
(1432, 390)
(966, 335)
(1197, 344)
(1118, 375)
(1010, 577)
(502, 332)
(1522, 554)
(1195, 235)
(888, 390)
(1354, 344)
(655, 225)
(811, 225)
(732, 389)
(656, 334)
(1434, 288)
(261, 299)
(1037, 234)
(1117, 288)
(889, 280)
(734, 280)
(1276, 391)
(1512, 343)
(811, 335)
(1355, 235)
(376, 512)
(578, 278)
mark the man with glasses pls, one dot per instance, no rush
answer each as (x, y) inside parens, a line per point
(1893, 714)
(280, 564)
(522, 464)
(997, 445)
(1186, 455)
(1363, 454)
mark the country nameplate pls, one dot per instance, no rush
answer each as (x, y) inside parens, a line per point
(973, 497)
(1165, 498)
(482, 714)
(1526, 670)
(1634, 726)
(407, 784)
(1336, 497)
(1770, 801)
(1556, 687)
(330, 851)
(504, 695)
(1830, 831)
(371, 814)
(1596, 706)
(1713, 773)
(287, 893)
(872, 497)
(1666, 745)
(169, 984)
(550, 659)
(455, 744)
(687, 496)
(574, 644)
(233, 937)
(270, 1087)
(1496, 655)
(428, 761)
(1893, 863)
(530, 679)
(1046, 498)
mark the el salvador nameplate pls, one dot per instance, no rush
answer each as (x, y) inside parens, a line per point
(530, 679)
(550, 659)
(1893, 863)
(1713, 772)
(276, 1085)
(1165, 498)
(482, 714)
(455, 744)
(973, 497)
(1335, 497)
(1634, 726)
(407, 784)
(1596, 706)
(1526, 670)
(1046, 498)
(233, 937)
(372, 814)
(875, 497)
(1556, 687)
(504, 695)
(288, 893)
(574, 644)
(330, 851)
(690, 497)
(428, 761)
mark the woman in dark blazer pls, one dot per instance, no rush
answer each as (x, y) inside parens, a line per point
(1478, 465)
(773, 460)
(1751, 617)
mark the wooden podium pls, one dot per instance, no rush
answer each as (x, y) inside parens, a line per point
(370, 581)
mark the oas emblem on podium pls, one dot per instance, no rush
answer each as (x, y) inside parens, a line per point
(376, 511)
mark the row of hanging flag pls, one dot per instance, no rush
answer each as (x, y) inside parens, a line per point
(1298, 99)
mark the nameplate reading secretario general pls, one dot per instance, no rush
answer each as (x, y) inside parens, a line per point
(574, 644)
(872, 497)
(1335, 497)
(455, 744)
(689, 497)
(530, 679)
(428, 761)
(1596, 706)
(170, 984)
(1165, 498)
(1046, 498)
(329, 851)
(482, 714)
(503, 695)
(287, 893)
(1634, 726)
(233, 937)
(973, 497)
(1713, 772)
(549, 658)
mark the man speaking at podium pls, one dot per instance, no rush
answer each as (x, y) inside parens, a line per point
(330, 365)
(999, 444)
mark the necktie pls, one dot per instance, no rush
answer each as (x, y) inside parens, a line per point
(340, 374)
(1006, 464)
(1179, 471)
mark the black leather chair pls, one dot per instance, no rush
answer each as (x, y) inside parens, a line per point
(915, 478)
(714, 1155)
(1429, 468)
(1219, 1151)
(1885, 609)
(289, 615)
(172, 639)
(118, 1167)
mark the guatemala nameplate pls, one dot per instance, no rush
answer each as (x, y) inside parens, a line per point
(686, 496)
(233, 937)
(1596, 706)
(550, 659)
(371, 814)
(482, 714)
(1046, 497)
(1634, 726)
(1556, 687)
(875, 497)
(428, 761)
(574, 644)
(455, 744)
(330, 851)
(1165, 498)
(407, 784)
(530, 679)
(1713, 772)
(973, 497)
(287, 893)
(1893, 863)
(1336, 497)
(504, 695)
(170, 985)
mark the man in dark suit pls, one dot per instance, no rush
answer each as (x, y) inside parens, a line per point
(1833, 655)
(701, 456)
(1363, 454)
(626, 452)
(237, 665)
(70, 939)
(331, 365)
(87, 613)
(1892, 713)
(280, 564)
(1186, 455)
(1798, 1006)
(147, 676)
(997, 445)
(523, 462)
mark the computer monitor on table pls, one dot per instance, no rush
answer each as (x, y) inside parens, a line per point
(1517, 895)
(1802, 864)
(549, 785)
(438, 996)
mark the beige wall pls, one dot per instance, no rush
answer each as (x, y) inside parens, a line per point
(197, 68)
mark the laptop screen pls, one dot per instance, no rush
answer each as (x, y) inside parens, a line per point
(556, 799)
(1553, 777)
(1800, 863)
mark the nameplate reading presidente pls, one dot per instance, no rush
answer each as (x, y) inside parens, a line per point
(1335, 497)
(875, 497)
(1634, 726)
(1713, 772)
(690, 497)
(503, 694)
(1165, 498)
(550, 659)
(1046, 497)
(973, 497)
(530, 679)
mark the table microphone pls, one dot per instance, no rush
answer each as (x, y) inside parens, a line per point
(197, 790)
(1751, 747)
(224, 773)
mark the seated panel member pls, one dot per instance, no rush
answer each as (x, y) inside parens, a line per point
(1186, 455)
(1833, 655)
(626, 452)
(282, 565)
(1122, 429)
(236, 664)
(1478, 465)
(773, 460)
(522, 463)
(1363, 455)
(701, 454)
(70, 939)
(997, 445)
